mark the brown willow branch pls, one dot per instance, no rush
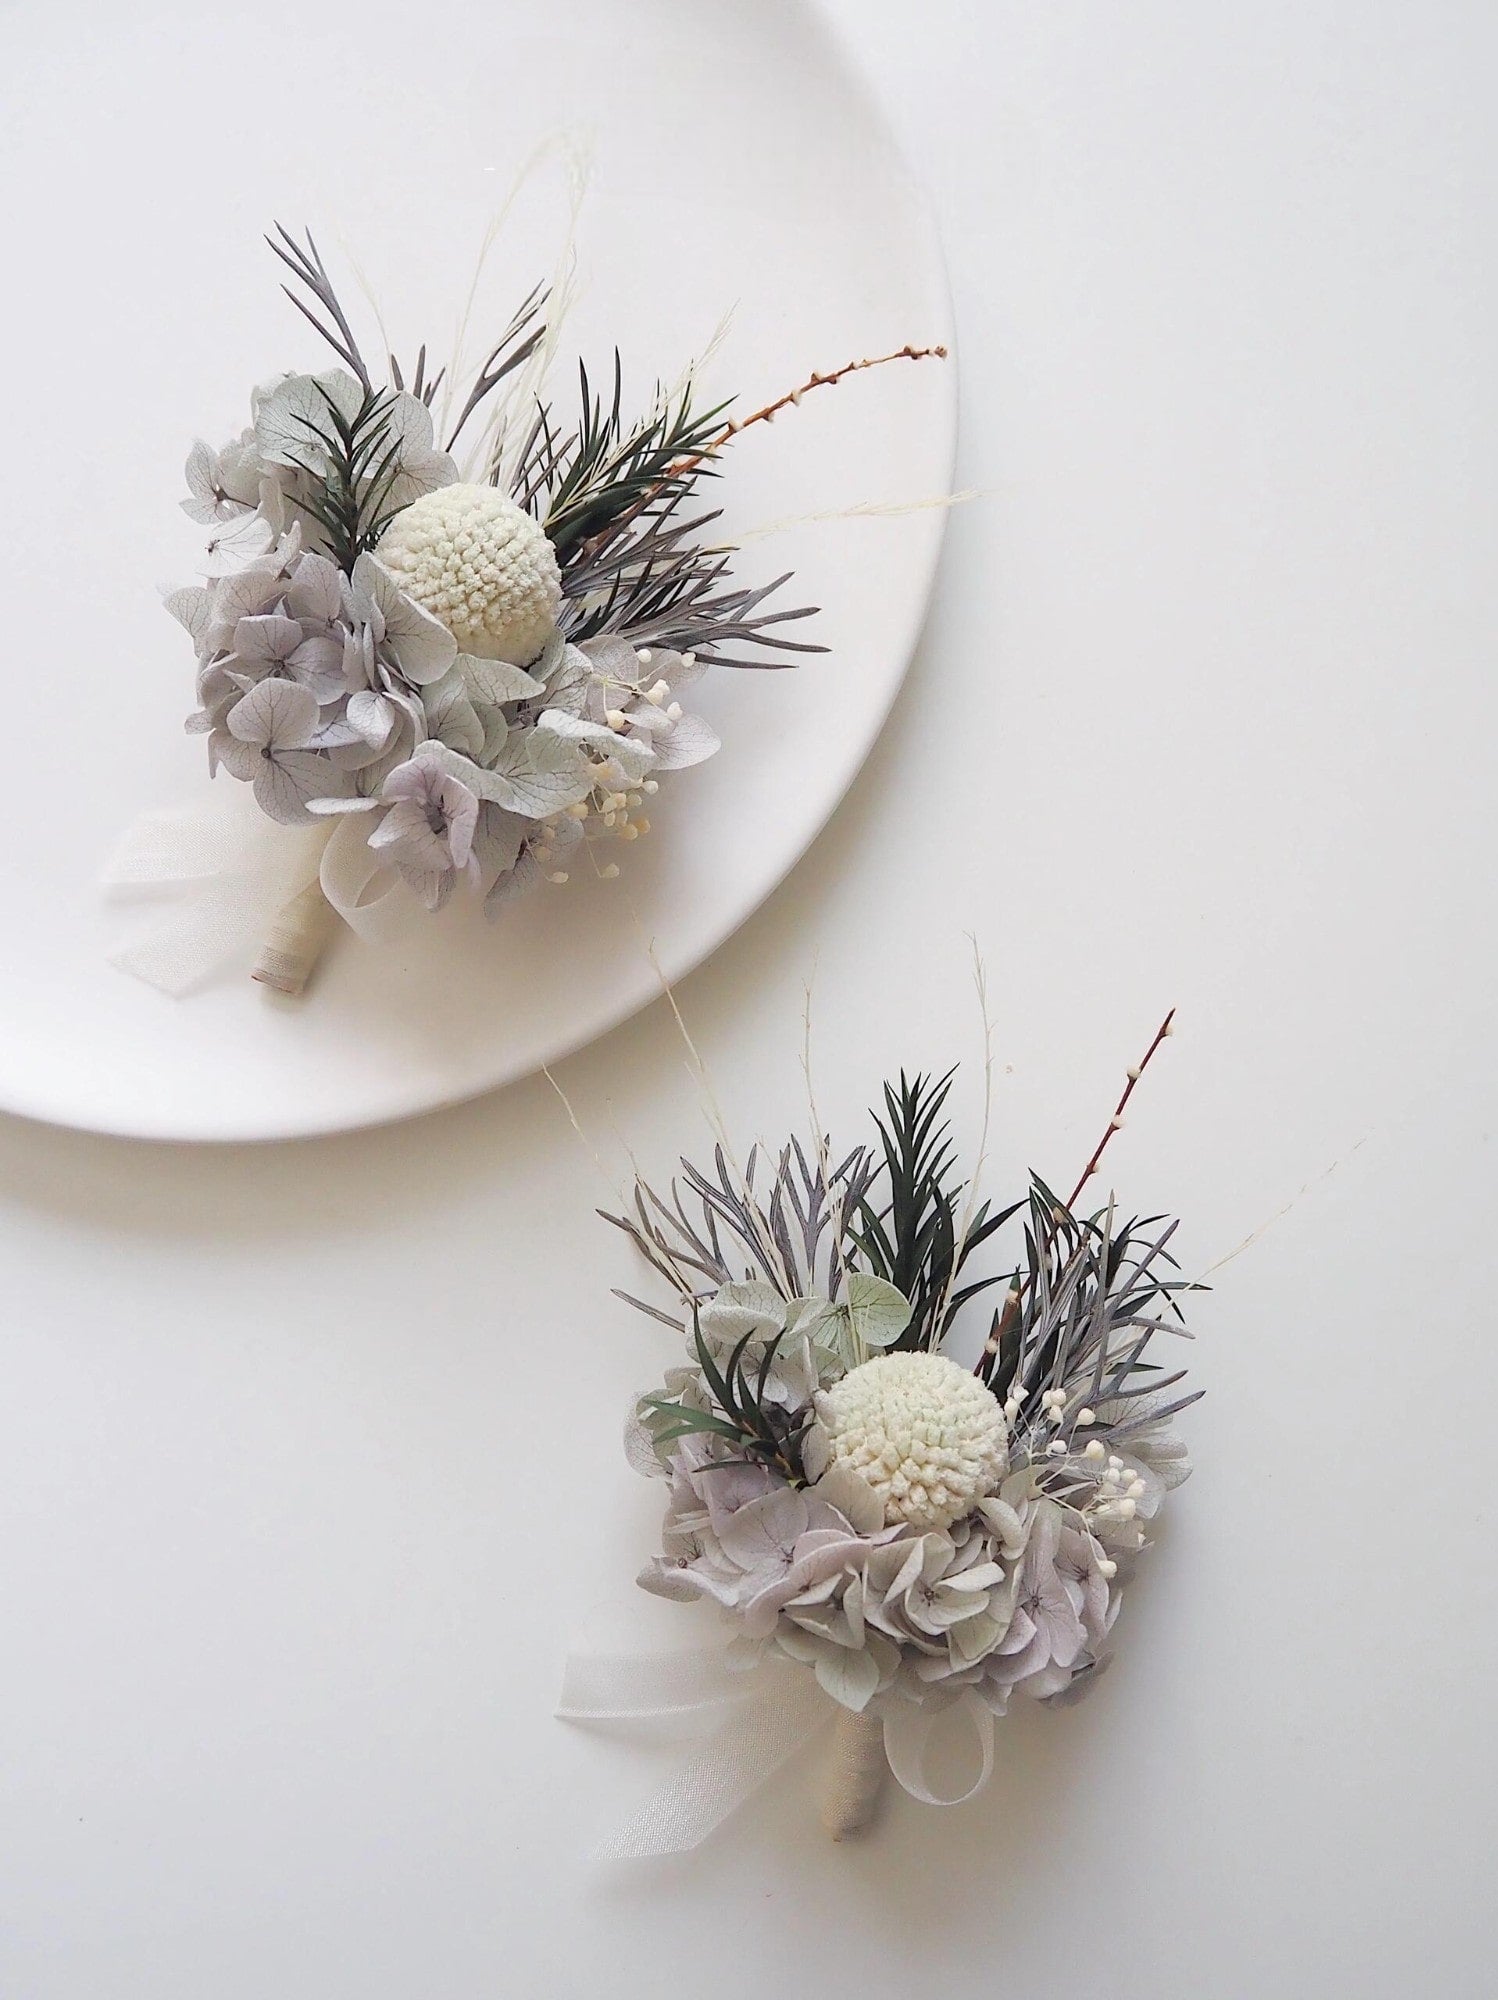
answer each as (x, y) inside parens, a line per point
(1015, 1295)
(766, 414)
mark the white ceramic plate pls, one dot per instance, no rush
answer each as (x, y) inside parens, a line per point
(736, 163)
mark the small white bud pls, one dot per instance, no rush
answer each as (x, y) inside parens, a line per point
(615, 718)
(611, 873)
(673, 711)
(1056, 1448)
(1126, 1509)
(650, 787)
(560, 875)
(1094, 1449)
(1085, 1417)
(1107, 1567)
(643, 656)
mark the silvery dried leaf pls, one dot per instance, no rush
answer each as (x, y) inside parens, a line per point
(614, 658)
(433, 889)
(327, 808)
(634, 758)
(192, 609)
(851, 1678)
(496, 843)
(319, 590)
(360, 667)
(422, 468)
(688, 741)
(677, 670)
(450, 715)
(275, 715)
(737, 1310)
(639, 1445)
(206, 501)
(535, 775)
(879, 1311)
(568, 679)
(317, 663)
(237, 542)
(514, 883)
(288, 412)
(246, 594)
(496, 733)
(336, 732)
(853, 1498)
(816, 1451)
(495, 681)
(287, 780)
(420, 644)
(373, 716)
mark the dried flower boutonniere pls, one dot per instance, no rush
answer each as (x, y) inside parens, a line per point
(894, 1532)
(455, 623)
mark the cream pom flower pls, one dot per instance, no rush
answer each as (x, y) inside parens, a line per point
(926, 1435)
(475, 559)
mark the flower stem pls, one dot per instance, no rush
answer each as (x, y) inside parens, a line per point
(856, 1775)
(295, 942)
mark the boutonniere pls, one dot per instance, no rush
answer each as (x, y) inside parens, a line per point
(450, 623)
(913, 1447)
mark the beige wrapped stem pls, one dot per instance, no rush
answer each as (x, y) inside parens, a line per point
(296, 940)
(855, 1776)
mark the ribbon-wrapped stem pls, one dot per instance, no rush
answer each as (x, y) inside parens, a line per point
(296, 940)
(855, 1775)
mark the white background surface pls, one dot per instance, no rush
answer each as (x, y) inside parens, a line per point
(308, 1459)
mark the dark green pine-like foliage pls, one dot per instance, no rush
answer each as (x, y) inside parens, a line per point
(908, 1226)
(356, 463)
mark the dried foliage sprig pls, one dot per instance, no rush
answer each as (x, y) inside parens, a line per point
(356, 470)
(324, 312)
(916, 1239)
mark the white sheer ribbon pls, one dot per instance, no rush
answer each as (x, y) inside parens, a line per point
(907, 1738)
(224, 871)
(771, 1714)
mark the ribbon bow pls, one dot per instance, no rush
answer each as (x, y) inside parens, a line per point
(226, 871)
(771, 1713)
